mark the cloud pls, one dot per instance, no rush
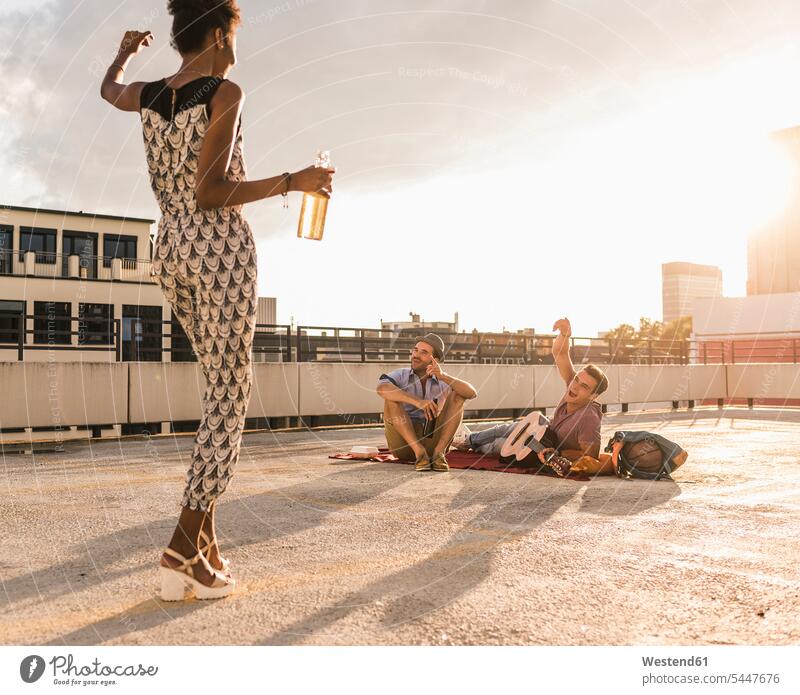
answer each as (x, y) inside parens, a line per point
(405, 94)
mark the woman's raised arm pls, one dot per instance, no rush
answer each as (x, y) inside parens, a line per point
(125, 96)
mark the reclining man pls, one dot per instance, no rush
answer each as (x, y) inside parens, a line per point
(576, 421)
(415, 395)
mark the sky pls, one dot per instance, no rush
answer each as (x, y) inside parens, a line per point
(512, 161)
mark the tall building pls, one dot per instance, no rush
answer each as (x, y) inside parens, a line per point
(681, 283)
(267, 311)
(773, 252)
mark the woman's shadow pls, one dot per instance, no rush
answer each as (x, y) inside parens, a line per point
(331, 493)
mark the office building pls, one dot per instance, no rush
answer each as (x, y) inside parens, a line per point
(76, 286)
(681, 283)
(773, 252)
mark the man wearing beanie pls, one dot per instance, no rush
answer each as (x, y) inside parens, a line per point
(415, 395)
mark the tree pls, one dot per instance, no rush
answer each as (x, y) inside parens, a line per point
(657, 339)
(680, 329)
(649, 329)
(619, 340)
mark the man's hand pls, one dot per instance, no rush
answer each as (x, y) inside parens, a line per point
(435, 369)
(459, 386)
(544, 453)
(563, 326)
(430, 409)
(560, 349)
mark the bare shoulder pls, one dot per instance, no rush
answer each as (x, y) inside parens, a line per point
(229, 92)
(227, 100)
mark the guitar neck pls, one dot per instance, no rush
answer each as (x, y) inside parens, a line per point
(535, 445)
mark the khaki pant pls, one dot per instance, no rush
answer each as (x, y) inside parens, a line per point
(400, 448)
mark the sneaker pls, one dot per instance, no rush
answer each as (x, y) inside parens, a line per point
(423, 463)
(440, 463)
(461, 438)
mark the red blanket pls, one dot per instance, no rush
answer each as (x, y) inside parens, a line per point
(468, 460)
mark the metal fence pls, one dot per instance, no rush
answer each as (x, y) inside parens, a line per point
(139, 339)
(142, 339)
(331, 343)
(757, 347)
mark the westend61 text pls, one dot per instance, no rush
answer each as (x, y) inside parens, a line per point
(691, 661)
(63, 666)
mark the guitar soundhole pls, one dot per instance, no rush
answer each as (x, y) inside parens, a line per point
(520, 435)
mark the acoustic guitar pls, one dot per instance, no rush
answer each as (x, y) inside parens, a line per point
(525, 442)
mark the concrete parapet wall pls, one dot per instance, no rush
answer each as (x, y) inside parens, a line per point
(275, 390)
(162, 391)
(764, 381)
(172, 391)
(499, 386)
(83, 394)
(639, 383)
(339, 388)
(60, 394)
(708, 381)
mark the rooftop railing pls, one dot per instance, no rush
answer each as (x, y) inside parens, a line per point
(77, 266)
(143, 339)
(135, 338)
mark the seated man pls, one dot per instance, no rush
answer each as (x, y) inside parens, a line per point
(578, 415)
(416, 395)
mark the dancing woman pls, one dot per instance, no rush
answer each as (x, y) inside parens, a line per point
(204, 256)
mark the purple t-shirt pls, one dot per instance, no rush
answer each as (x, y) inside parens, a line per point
(578, 429)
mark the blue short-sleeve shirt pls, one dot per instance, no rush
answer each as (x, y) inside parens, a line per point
(405, 379)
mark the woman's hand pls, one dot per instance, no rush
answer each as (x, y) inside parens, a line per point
(316, 180)
(112, 89)
(134, 41)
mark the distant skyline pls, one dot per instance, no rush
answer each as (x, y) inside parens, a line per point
(512, 161)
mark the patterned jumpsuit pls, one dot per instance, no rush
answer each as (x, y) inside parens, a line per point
(205, 264)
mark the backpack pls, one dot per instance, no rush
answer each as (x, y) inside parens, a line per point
(645, 455)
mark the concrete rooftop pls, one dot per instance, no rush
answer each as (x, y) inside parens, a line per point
(336, 552)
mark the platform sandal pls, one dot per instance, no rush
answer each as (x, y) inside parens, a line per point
(204, 544)
(175, 581)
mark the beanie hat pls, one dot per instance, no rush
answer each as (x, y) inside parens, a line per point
(435, 342)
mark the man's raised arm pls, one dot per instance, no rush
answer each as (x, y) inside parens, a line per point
(561, 350)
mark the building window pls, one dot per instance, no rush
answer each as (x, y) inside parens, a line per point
(181, 350)
(10, 314)
(42, 241)
(51, 322)
(95, 324)
(118, 246)
(83, 245)
(142, 333)
(6, 249)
